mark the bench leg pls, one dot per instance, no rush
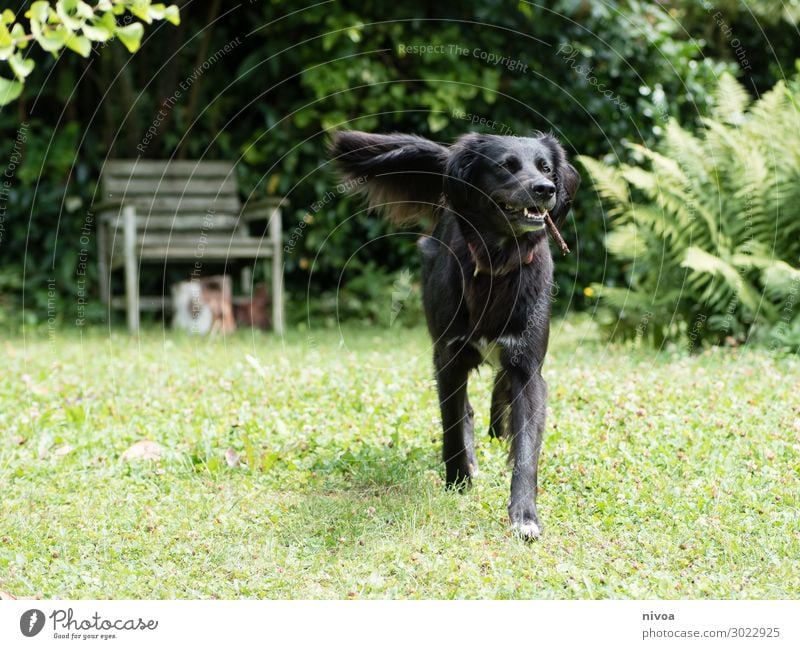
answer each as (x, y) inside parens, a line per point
(103, 263)
(131, 269)
(277, 272)
(247, 281)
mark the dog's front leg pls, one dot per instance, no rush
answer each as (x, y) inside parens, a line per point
(469, 436)
(528, 400)
(452, 371)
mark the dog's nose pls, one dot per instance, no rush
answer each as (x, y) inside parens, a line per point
(543, 189)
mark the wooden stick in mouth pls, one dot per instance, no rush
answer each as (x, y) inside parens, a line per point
(556, 234)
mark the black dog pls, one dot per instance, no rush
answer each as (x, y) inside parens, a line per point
(487, 276)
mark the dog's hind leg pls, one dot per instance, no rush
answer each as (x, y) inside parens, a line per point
(498, 422)
(452, 371)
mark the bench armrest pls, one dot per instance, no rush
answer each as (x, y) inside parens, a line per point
(261, 209)
(108, 209)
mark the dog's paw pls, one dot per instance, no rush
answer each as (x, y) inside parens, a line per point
(528, 531)
(458, 482)
(460, 470)
(525, 521)
(498, 430)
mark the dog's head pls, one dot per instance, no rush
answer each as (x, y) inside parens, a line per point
(501, 183)
(497, 183)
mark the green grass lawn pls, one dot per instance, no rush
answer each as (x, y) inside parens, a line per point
(661, 476)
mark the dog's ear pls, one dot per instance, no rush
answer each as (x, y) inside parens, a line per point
(401, 174)
(567, 179)
(460, 170)
(568, 182)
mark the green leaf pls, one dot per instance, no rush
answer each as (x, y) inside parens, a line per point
(172, 15)
(6, 39)
(157, 11)
(64, 9)
(731, 100)
(107, 20)
(51, 40)
(704, 262)
(21, 67)
(608, 182)
(84, 10)
(781, 280)
(18, 33)
(97, 32)
(79, 44)
(38, 11)
(131, 36)
(7, 17)
(437, 121)
(141, 9)
(9, 90)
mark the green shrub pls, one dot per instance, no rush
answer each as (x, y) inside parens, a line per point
(638, 52)
(268, 105)
(708, 226)
(367, 295)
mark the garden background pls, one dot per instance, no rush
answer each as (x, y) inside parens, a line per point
(264, 83)
(308, 465)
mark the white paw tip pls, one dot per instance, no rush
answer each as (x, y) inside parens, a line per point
(527, 530)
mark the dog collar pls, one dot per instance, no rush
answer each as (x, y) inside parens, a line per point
(473, 251)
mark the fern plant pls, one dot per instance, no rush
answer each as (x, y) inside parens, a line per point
(708, 225)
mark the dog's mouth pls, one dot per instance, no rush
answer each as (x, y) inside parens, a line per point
(527, 216)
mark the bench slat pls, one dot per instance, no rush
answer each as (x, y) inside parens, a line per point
(194, 186)
(209, 252)
(210, 238)
(160, 302)
(162, 168)
(192, 251)
(166, 223)
(177, 204)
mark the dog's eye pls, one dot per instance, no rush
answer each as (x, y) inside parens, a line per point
(544, 167)
(511, 164)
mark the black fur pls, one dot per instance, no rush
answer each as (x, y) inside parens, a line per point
(403, 172)
(487, 276)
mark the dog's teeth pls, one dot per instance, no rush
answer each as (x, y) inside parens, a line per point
(525, 211)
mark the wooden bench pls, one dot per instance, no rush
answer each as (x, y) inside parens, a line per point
(158, 211)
